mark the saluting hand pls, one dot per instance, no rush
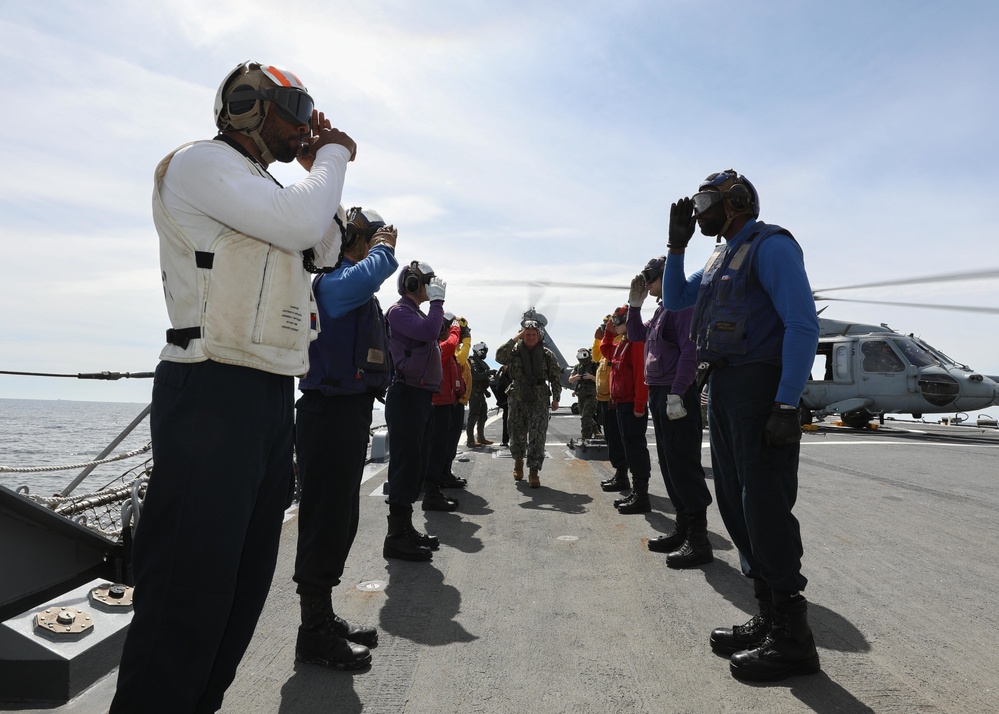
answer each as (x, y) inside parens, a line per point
(681, 225)
(386, 235)
(638, 291)
(324, 133)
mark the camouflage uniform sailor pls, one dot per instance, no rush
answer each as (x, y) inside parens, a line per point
(536, 388)
(583, 381)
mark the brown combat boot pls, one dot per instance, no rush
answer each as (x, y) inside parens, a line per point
(518, 469)
(483, 441)
(532, 478)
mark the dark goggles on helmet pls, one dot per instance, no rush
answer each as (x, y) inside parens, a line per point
(652, 274)
(294, 105)
(618, 320)
(705, 200)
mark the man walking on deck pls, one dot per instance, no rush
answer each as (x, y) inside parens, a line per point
(536, 388)
(235, 247)
(755, 324)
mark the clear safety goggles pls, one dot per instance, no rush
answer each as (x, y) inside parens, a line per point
(705, 200)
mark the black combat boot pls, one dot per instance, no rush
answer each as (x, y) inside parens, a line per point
(672, 540)
(424, 539)
(361, 634)
(624, 500)
(437, 501)
(320, 643)
(619, 482)
(452, 481)
(695, 550)
(639, 502)
(788, 650)
(400, 544)
(728, 640)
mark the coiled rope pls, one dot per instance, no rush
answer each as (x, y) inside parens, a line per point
(68, 467)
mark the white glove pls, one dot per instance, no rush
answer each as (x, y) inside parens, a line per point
(436, 289)
(674, 407)
(448, 315)
(638, 292)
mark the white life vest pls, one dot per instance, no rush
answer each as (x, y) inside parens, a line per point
(244, 302)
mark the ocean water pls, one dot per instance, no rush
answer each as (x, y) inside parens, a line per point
(37, 432)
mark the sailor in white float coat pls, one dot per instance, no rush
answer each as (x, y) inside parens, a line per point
(235, 249)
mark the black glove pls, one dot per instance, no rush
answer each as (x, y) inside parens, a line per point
(681, 223)
(465, 332)
(783, 426)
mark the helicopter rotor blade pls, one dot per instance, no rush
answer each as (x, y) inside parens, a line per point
(944, 278)
(554, 284)
(957, 308)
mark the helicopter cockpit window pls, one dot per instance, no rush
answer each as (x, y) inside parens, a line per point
(880, 357)
(915, 353)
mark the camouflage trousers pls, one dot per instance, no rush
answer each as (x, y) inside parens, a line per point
(588, 413)
(528, 430)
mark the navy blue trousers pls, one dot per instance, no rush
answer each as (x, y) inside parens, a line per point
(457, 429)
(756, 485)
(207, 538)
(636, 444)
(441, 436)
(408, 418)
(678, 443)
(612, 435)
(331, 441)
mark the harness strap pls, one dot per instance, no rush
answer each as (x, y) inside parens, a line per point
(182, 337)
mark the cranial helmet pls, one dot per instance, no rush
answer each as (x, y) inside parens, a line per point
(620, 315)
(480, 349)
(361, 223)
(533, 325)
(247, 94)
(414, 276)
(735, 191)
(582, 354)
(653, 270)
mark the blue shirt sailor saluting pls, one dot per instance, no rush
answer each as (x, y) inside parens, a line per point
(755, 324)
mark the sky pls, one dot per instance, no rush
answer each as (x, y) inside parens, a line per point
(510, 141)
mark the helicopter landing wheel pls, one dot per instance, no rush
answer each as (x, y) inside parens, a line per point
(859, 419)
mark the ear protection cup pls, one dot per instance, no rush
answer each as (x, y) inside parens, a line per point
(739, 197)
(243, 114)
(350, 236)
(412, 281)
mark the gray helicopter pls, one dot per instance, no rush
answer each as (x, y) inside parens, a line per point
(866, 371)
